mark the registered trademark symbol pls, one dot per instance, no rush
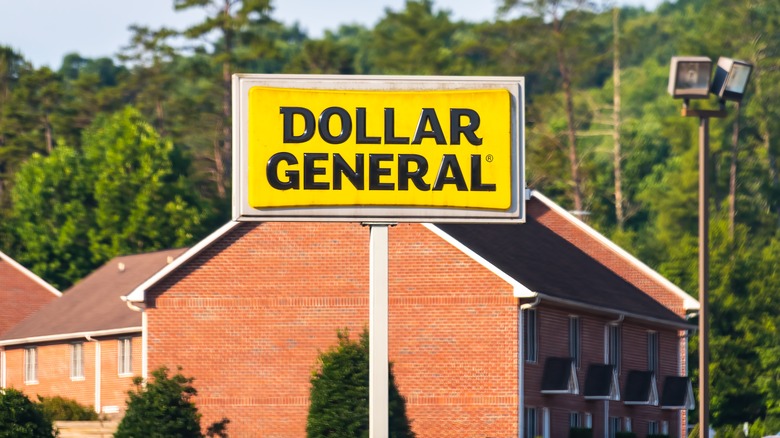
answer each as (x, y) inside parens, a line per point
(489, 158)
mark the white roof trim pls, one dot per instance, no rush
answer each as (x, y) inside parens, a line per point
(519, 290)
(30, 274)
(689, 303)
(138, 295)
(66, 336)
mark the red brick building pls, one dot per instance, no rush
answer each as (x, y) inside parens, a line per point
(21, 292)
(495, 330)
(87, 344)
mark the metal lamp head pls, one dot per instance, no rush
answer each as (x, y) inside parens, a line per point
(731, 79)
(689, 77)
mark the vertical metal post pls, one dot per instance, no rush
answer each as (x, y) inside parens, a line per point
(378, 371)
(704, 326)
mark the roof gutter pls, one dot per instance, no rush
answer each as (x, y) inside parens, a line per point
(621, 314)
(65, 336)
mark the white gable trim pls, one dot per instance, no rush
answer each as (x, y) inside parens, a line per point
(29, 274)
(138, 295)
(519, 290)
(689, 303)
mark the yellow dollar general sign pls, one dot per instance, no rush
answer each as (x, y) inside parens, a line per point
(353, 151)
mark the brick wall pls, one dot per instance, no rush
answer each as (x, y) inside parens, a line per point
(54, 372)
(20, 295)
(248, 317)
(553, 341)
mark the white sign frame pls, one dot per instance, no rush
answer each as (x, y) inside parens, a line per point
(242, 211)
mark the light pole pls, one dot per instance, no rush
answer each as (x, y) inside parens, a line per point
(689, 78)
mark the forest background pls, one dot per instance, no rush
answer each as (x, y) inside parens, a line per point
(121, 155)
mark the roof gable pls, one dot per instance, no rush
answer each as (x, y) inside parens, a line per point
(93, 304)
(29, 274)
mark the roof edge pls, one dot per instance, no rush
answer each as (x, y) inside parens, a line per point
(30, 274)
(689, 303)
(64, 336)
(138, 295)
(518, 289)
(675, 324)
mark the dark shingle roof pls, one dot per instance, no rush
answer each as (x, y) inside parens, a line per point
(94, 303)
(551, 266)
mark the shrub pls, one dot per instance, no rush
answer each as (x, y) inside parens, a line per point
(625, 435)
(658, 435)
(161, 409)
(20, 417)
(580, 432)
(63, 409)
(339, 394)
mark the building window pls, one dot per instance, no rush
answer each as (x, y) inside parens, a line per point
(31, 365)
(588, 420)
(530, 423)
(614, 426)
(531, 345)
(628, 424)
(652, 351)
(574, 340)
(125, 359)
(614, 346)
(652, 428)
(575, 419)
(77, 361)
(665, 427)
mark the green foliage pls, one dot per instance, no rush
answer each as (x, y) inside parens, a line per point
(625, 435)
(20, 417)
(162, 408)
(73, 210)
(658, 435)
(58, 408)
(339, 394)
(580, 432)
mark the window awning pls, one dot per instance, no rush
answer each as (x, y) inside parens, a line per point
(560, 376)
(641, 388)
(601, 383)
(677, 393)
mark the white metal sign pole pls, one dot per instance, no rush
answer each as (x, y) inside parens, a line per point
(378, 372)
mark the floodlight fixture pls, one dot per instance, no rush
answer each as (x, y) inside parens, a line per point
(731, 79)
(689, 77)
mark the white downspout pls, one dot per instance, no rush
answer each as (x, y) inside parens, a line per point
(2, 368)
(606, 360)
(521, 365)
(98, 372)
(144, 337)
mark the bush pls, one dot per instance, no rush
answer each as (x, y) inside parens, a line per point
(658, 435)
(580, 432)
(63, 409)
(339, 394)
(625, 435)
(161, 409)
(20, 417)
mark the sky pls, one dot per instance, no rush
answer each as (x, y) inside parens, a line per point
(46, 30)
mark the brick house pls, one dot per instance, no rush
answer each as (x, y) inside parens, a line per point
(85, 345)
(495, 330)
(21, 292)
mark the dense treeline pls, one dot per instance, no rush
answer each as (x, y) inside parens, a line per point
(109, 156)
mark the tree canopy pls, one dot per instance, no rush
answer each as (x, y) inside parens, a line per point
(106, 156)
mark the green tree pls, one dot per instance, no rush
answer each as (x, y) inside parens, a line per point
(123, 194)
(51, 216)
(162, 408)
(142, 202)
(228, 18)
(20, 417)
(339, 394)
